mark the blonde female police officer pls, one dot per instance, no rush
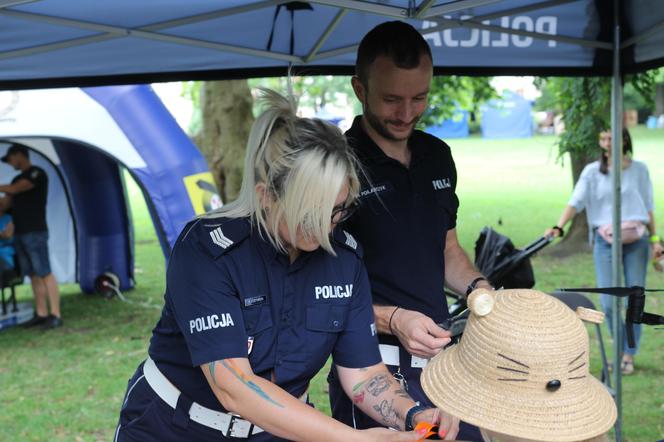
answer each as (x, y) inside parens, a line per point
(258, 295)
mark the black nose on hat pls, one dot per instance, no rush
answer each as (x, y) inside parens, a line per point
(553, 385)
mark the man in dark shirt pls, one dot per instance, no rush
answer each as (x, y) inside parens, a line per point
(26, 196)
(407, 218)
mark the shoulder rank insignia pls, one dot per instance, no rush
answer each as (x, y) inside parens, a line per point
(350, 241)
(220, 239)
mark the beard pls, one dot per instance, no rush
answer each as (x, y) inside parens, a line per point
(380, 126)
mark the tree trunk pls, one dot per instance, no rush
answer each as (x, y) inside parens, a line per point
(576, 236)
(226, 121)
(659, 99)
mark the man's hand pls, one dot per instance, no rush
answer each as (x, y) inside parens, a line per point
(418, 334)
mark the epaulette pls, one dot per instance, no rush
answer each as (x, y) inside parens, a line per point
(218, 235)
(346, 240)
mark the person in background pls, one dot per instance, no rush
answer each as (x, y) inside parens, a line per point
(7, 250)
(407, 218)
(593, 193)
(259, 294)
(26, 196)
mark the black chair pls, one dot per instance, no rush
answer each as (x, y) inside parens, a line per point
(574, 300)
(9, 279)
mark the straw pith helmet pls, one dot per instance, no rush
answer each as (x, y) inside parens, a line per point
(521, 369)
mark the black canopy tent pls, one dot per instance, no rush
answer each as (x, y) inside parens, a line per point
(57, 43)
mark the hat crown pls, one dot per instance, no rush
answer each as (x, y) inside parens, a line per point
(527, 341)
(522, 370)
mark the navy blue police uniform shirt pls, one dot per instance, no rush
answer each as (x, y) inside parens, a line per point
(403, 219)
(231, 294)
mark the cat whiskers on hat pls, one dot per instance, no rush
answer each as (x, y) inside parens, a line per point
(514, 370)
(577, 367)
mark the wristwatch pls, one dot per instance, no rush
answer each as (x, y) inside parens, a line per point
(411, 413)
(473, 284)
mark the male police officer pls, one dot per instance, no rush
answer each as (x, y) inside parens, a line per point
(26, 195)
(407, 217)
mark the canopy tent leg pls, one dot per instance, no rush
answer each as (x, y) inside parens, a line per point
(616, 247)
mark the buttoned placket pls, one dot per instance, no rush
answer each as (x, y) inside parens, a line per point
(287, 311)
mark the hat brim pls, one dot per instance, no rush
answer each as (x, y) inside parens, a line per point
(5, 159)
(577, 412)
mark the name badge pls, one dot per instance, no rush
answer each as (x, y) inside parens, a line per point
(254, 300)
(376, 189)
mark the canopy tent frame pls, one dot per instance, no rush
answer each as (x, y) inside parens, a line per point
(151, 31)
(425, 10)
(616, 245)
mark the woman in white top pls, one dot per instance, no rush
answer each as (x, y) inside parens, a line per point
(593, 192)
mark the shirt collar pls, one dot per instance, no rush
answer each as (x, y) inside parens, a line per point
(272, 254)
(366, 148)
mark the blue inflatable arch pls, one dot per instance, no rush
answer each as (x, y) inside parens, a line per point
(84, 139)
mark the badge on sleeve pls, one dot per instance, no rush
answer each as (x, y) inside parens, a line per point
(250, 344)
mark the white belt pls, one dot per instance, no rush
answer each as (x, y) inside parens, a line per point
(390, 356)
(230, 425)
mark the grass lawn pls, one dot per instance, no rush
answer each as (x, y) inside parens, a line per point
(67, 384)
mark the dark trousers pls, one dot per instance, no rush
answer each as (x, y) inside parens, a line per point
(345, 411)
(145, 417)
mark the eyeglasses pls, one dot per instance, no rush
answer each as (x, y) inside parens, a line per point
(343, 212)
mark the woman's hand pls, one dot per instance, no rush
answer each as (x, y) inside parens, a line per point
(557, 230)
(553, 232)
(448, 425)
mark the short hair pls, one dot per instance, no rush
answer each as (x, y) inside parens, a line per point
(14, 149)
(399, 41)
(303, 163)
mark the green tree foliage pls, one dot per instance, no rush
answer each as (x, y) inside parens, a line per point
(445, 94)
(586, 110)
(314, 91)
(585, 106)
(192, 91)
(448, 92)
